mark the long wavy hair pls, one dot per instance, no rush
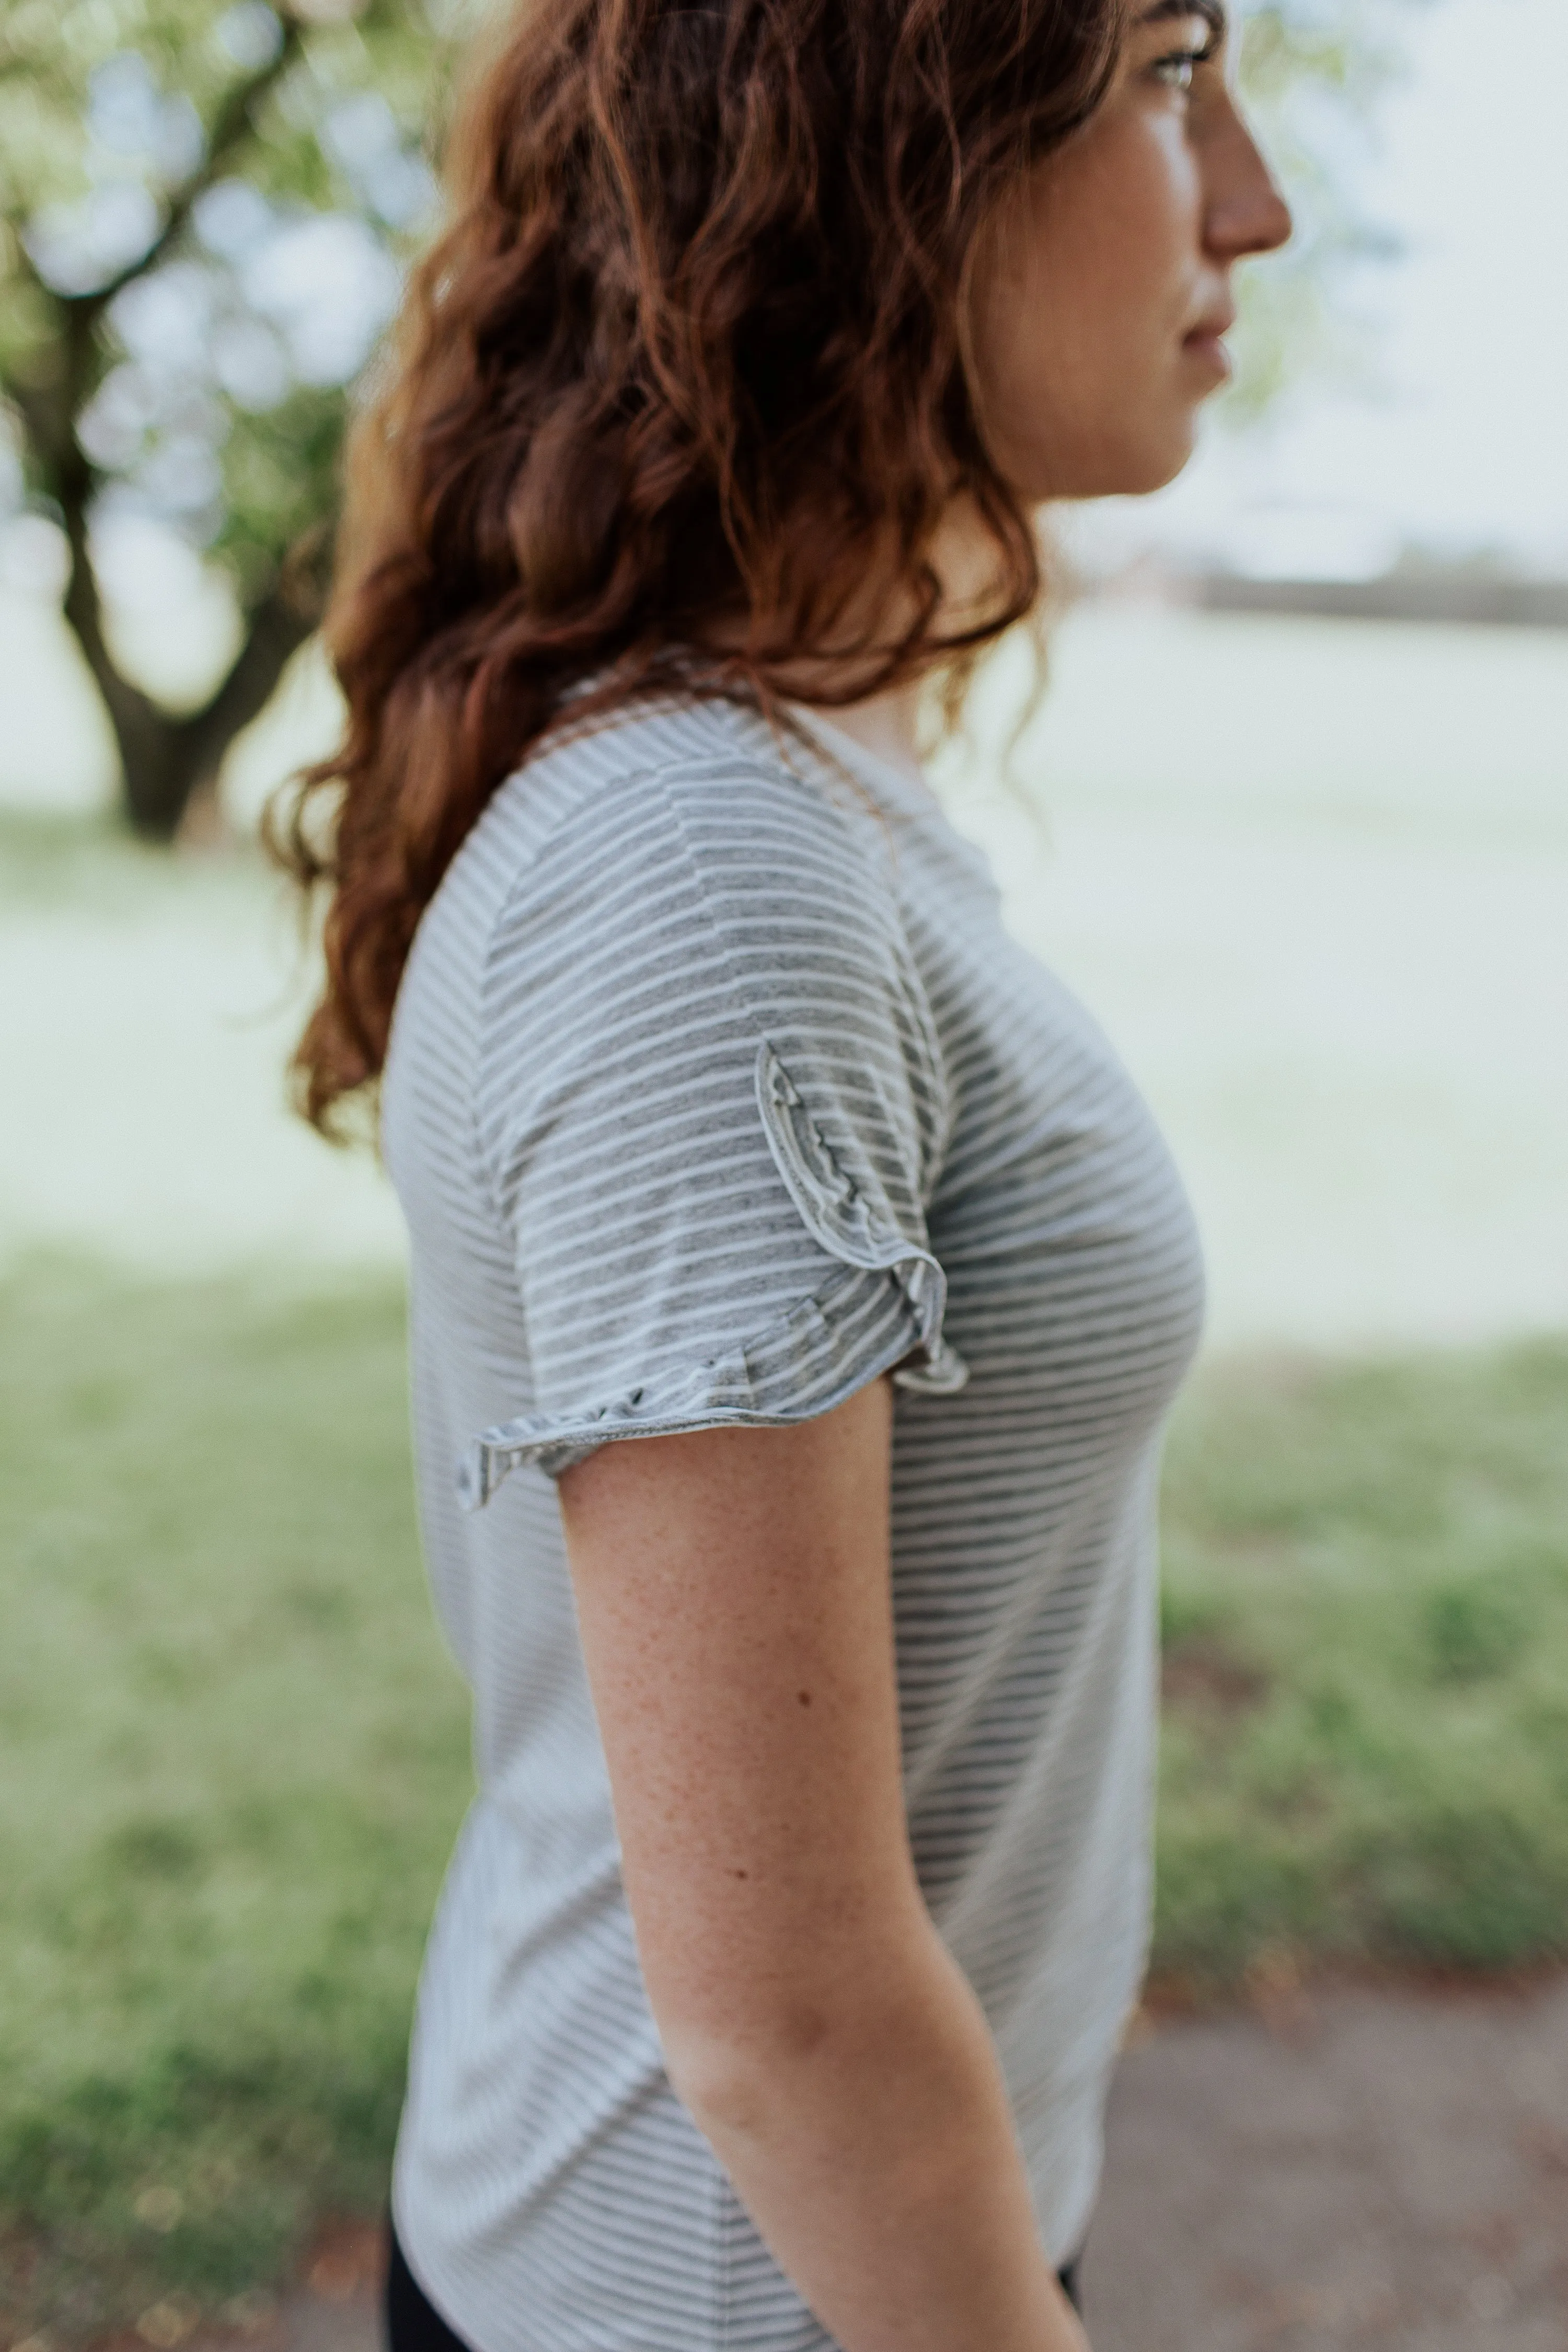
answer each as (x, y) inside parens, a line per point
(678, 400)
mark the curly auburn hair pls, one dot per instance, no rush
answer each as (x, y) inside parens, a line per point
(680, 398)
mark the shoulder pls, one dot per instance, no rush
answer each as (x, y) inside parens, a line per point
(689, 892)
(694, 820)
(742, 790)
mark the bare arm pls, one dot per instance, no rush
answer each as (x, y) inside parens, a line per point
(732, 1591)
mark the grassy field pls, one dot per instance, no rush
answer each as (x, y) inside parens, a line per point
(1366, 1666)
(236, 1753)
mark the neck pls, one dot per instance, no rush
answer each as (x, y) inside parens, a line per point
(884, 724)
(964, 558)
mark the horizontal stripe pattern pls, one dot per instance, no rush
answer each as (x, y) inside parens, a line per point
(716, 1089)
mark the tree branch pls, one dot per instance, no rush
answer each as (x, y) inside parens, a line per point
(229, 132)
(275, 630)
(163, 758)
(232, 128)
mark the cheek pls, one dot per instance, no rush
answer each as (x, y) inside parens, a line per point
(1083, 299)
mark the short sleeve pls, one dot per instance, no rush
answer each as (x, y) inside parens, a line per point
(710, 1112)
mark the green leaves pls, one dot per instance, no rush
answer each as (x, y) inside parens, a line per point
(223, 198)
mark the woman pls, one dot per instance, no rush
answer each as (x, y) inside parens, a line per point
(775, 1986)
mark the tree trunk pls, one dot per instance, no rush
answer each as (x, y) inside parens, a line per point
(156, 777)
(165, 758)
(160, 777)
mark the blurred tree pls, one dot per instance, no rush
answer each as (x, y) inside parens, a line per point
(1313, 73)
(204, 206)
(202, 214)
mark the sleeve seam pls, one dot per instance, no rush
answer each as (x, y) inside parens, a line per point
(720, 1393)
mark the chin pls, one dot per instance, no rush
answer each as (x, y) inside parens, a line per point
(1139, 469)
(1134, 466)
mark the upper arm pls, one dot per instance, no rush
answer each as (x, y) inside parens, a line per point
(710, 1110)
(733, 1593)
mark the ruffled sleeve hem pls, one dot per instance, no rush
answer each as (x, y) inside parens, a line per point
(881, 1310)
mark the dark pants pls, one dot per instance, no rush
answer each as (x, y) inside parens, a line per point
(414, 2325)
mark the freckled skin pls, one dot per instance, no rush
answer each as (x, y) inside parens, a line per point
(1090, 279)
(1091, 286)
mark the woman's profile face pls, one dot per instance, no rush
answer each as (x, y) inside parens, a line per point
(1102, 283)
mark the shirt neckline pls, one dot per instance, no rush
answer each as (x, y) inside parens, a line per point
(910, 796)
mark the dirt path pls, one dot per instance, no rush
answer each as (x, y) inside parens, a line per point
(1347, 2168)
(1345, 2171)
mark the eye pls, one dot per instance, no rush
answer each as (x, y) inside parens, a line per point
(1178, 67)
(1179, 70)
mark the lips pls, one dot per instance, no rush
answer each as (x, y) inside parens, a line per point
(1204, 347)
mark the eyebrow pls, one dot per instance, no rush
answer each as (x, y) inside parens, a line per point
(1210, 11)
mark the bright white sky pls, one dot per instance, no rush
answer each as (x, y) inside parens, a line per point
(1467, 447)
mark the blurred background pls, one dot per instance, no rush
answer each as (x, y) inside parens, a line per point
(1293, 817)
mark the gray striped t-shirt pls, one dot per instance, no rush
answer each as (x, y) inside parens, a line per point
(717, 1089)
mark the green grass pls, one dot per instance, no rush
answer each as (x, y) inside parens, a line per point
(237, 1753)
(1366, 1628)
(237, 1756)
(95, 865)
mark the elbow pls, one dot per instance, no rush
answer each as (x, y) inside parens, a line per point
(819, 2042)
(757, 2031)
(730, 2075)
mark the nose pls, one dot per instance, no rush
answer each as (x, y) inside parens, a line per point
(1245, 211)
